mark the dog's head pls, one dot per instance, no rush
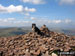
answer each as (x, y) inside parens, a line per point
(33, 26)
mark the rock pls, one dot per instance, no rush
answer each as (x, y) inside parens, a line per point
(1, 53)
(53, 54)
(34, 44)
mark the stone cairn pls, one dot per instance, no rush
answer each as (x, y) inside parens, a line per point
(43, 31)
(36, 44)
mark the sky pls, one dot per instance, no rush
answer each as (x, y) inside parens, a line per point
(53, 13)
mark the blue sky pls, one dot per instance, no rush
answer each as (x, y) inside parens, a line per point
(60, 13)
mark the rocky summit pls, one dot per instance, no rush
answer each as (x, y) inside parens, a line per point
(36, 44)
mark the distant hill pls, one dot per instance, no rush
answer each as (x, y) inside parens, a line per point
(69, 32)
(12, 31)
(5, 32)
(65, 31)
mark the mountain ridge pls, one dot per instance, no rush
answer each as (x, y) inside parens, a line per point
(34, 44)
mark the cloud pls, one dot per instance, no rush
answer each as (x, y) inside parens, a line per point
(11, 19)
(11, 9)
(57, 21)
(46, 20)
(7, 20)
(20, 22)
(33, 18)
(19, 8)
(29, 9)
(13, 22)
(68, 21)
(30, 17)
(27, 21)
(52, 21)
(34, 1)
(71, 2)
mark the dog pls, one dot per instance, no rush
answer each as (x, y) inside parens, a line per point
(35, 29)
